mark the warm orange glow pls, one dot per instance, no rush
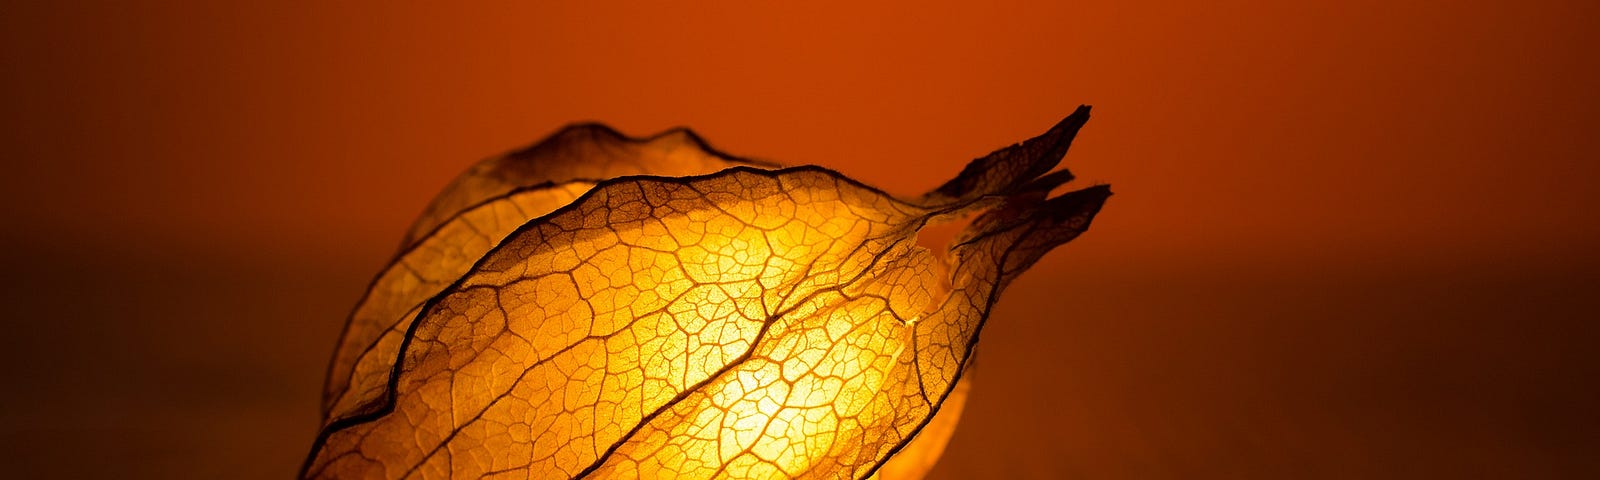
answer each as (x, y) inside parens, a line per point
(755, 322)
(473, 214)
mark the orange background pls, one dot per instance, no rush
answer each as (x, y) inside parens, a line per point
(1351, 239)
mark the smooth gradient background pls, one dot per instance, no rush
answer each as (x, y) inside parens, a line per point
(1351, 239)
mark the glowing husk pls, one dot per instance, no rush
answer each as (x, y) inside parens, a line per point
(749, 323)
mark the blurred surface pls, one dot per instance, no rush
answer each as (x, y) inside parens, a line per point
(1350, 239)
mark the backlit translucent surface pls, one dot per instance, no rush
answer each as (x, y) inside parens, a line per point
(749, 323)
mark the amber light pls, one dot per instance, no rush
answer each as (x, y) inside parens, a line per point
(604, 307)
